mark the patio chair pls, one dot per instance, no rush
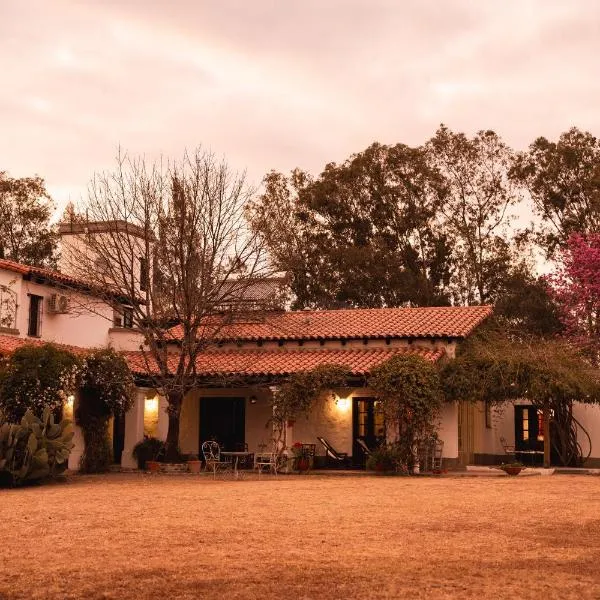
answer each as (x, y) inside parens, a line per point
(340, 458)
(212, 456)
(508, 449)
(265, 461)
(437, 455)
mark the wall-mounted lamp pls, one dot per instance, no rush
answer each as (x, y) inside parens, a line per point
(342, 404)
(150, 416)
(252, 399)
(68, 407)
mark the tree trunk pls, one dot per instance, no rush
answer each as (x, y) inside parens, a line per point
(175, 400)
(547, 445)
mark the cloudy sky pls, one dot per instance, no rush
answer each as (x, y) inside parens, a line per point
(275, 84)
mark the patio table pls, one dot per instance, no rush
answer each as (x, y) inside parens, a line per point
(235, 456)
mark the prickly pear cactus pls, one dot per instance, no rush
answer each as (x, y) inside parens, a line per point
(35, 448)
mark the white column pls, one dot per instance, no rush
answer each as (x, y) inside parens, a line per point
(163, 418)
(77, 450)
(134, 429)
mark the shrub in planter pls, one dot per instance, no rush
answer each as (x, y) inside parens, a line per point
(149, 449)
(383, 460)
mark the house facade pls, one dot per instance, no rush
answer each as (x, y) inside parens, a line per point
(250, 357)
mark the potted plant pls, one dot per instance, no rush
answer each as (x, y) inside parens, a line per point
(513, 468)
(383, 460)
(194, 463)
(147, 452)
(301, 457)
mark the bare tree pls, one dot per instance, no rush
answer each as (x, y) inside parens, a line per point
(171, 241)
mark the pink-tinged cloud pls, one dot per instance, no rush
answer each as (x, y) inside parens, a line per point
(272, 84)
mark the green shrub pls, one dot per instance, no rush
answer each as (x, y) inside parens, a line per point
(383, 459)
(35, 378)
(106, 389)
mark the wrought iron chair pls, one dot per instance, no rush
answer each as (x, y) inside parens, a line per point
(341, 458)
(212, 456)
(508, 449)
(437, 455)
(265, 460)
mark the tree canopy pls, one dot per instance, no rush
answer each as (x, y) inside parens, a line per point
(364, 233)
(26, 235)
(563, 179)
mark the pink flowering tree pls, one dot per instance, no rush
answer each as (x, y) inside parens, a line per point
(575, 286)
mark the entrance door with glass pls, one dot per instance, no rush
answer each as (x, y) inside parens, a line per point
(368, 425)
(224, 421)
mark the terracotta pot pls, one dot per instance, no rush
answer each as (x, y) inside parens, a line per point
(512, 470)
(153, 466)
(194, 466)
(302, 464)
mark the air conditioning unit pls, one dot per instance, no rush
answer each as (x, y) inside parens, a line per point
(58, 304)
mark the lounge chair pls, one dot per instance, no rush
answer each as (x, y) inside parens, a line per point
(364, 447)
(340, 459)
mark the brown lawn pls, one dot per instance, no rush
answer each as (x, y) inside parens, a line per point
(142, 536)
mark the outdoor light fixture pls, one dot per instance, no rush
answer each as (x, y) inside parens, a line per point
(68, 407)
(343, 404)
(150, 416)
(252, 399)
(151, 405)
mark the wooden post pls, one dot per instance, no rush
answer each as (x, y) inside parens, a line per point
(546, 416)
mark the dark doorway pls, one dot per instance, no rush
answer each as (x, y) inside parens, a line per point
(223, 420)
(367, 425)
(529, 434)
(118, 438)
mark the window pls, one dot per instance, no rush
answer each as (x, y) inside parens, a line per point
(35, 315)
(123, 317)
(144, 274)
(127, 317)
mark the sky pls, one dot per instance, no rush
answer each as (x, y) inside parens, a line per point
(279, 84)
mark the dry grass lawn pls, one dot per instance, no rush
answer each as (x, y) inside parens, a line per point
(141, 536)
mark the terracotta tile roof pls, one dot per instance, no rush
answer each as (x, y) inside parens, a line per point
(434, 322)
(60, 278)
(282, 361)
(256, 361)
(9, 343)
(50, 274)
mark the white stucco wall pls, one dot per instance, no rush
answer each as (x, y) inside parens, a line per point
(86, 324)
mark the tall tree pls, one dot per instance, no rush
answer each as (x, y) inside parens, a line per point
(25, 232)
(575, 286)
(364, 233)
(563, 180)
(525, 305)
(186, 220)
(476, 209)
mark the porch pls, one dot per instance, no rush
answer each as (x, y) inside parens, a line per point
(240, 418)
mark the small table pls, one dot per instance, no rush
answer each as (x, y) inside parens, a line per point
(235, 458)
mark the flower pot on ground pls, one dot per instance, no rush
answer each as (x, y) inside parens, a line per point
(512, 468)
(194, 464)
(153, 466)
(382, 460)
(302, 456)
(302, 464)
